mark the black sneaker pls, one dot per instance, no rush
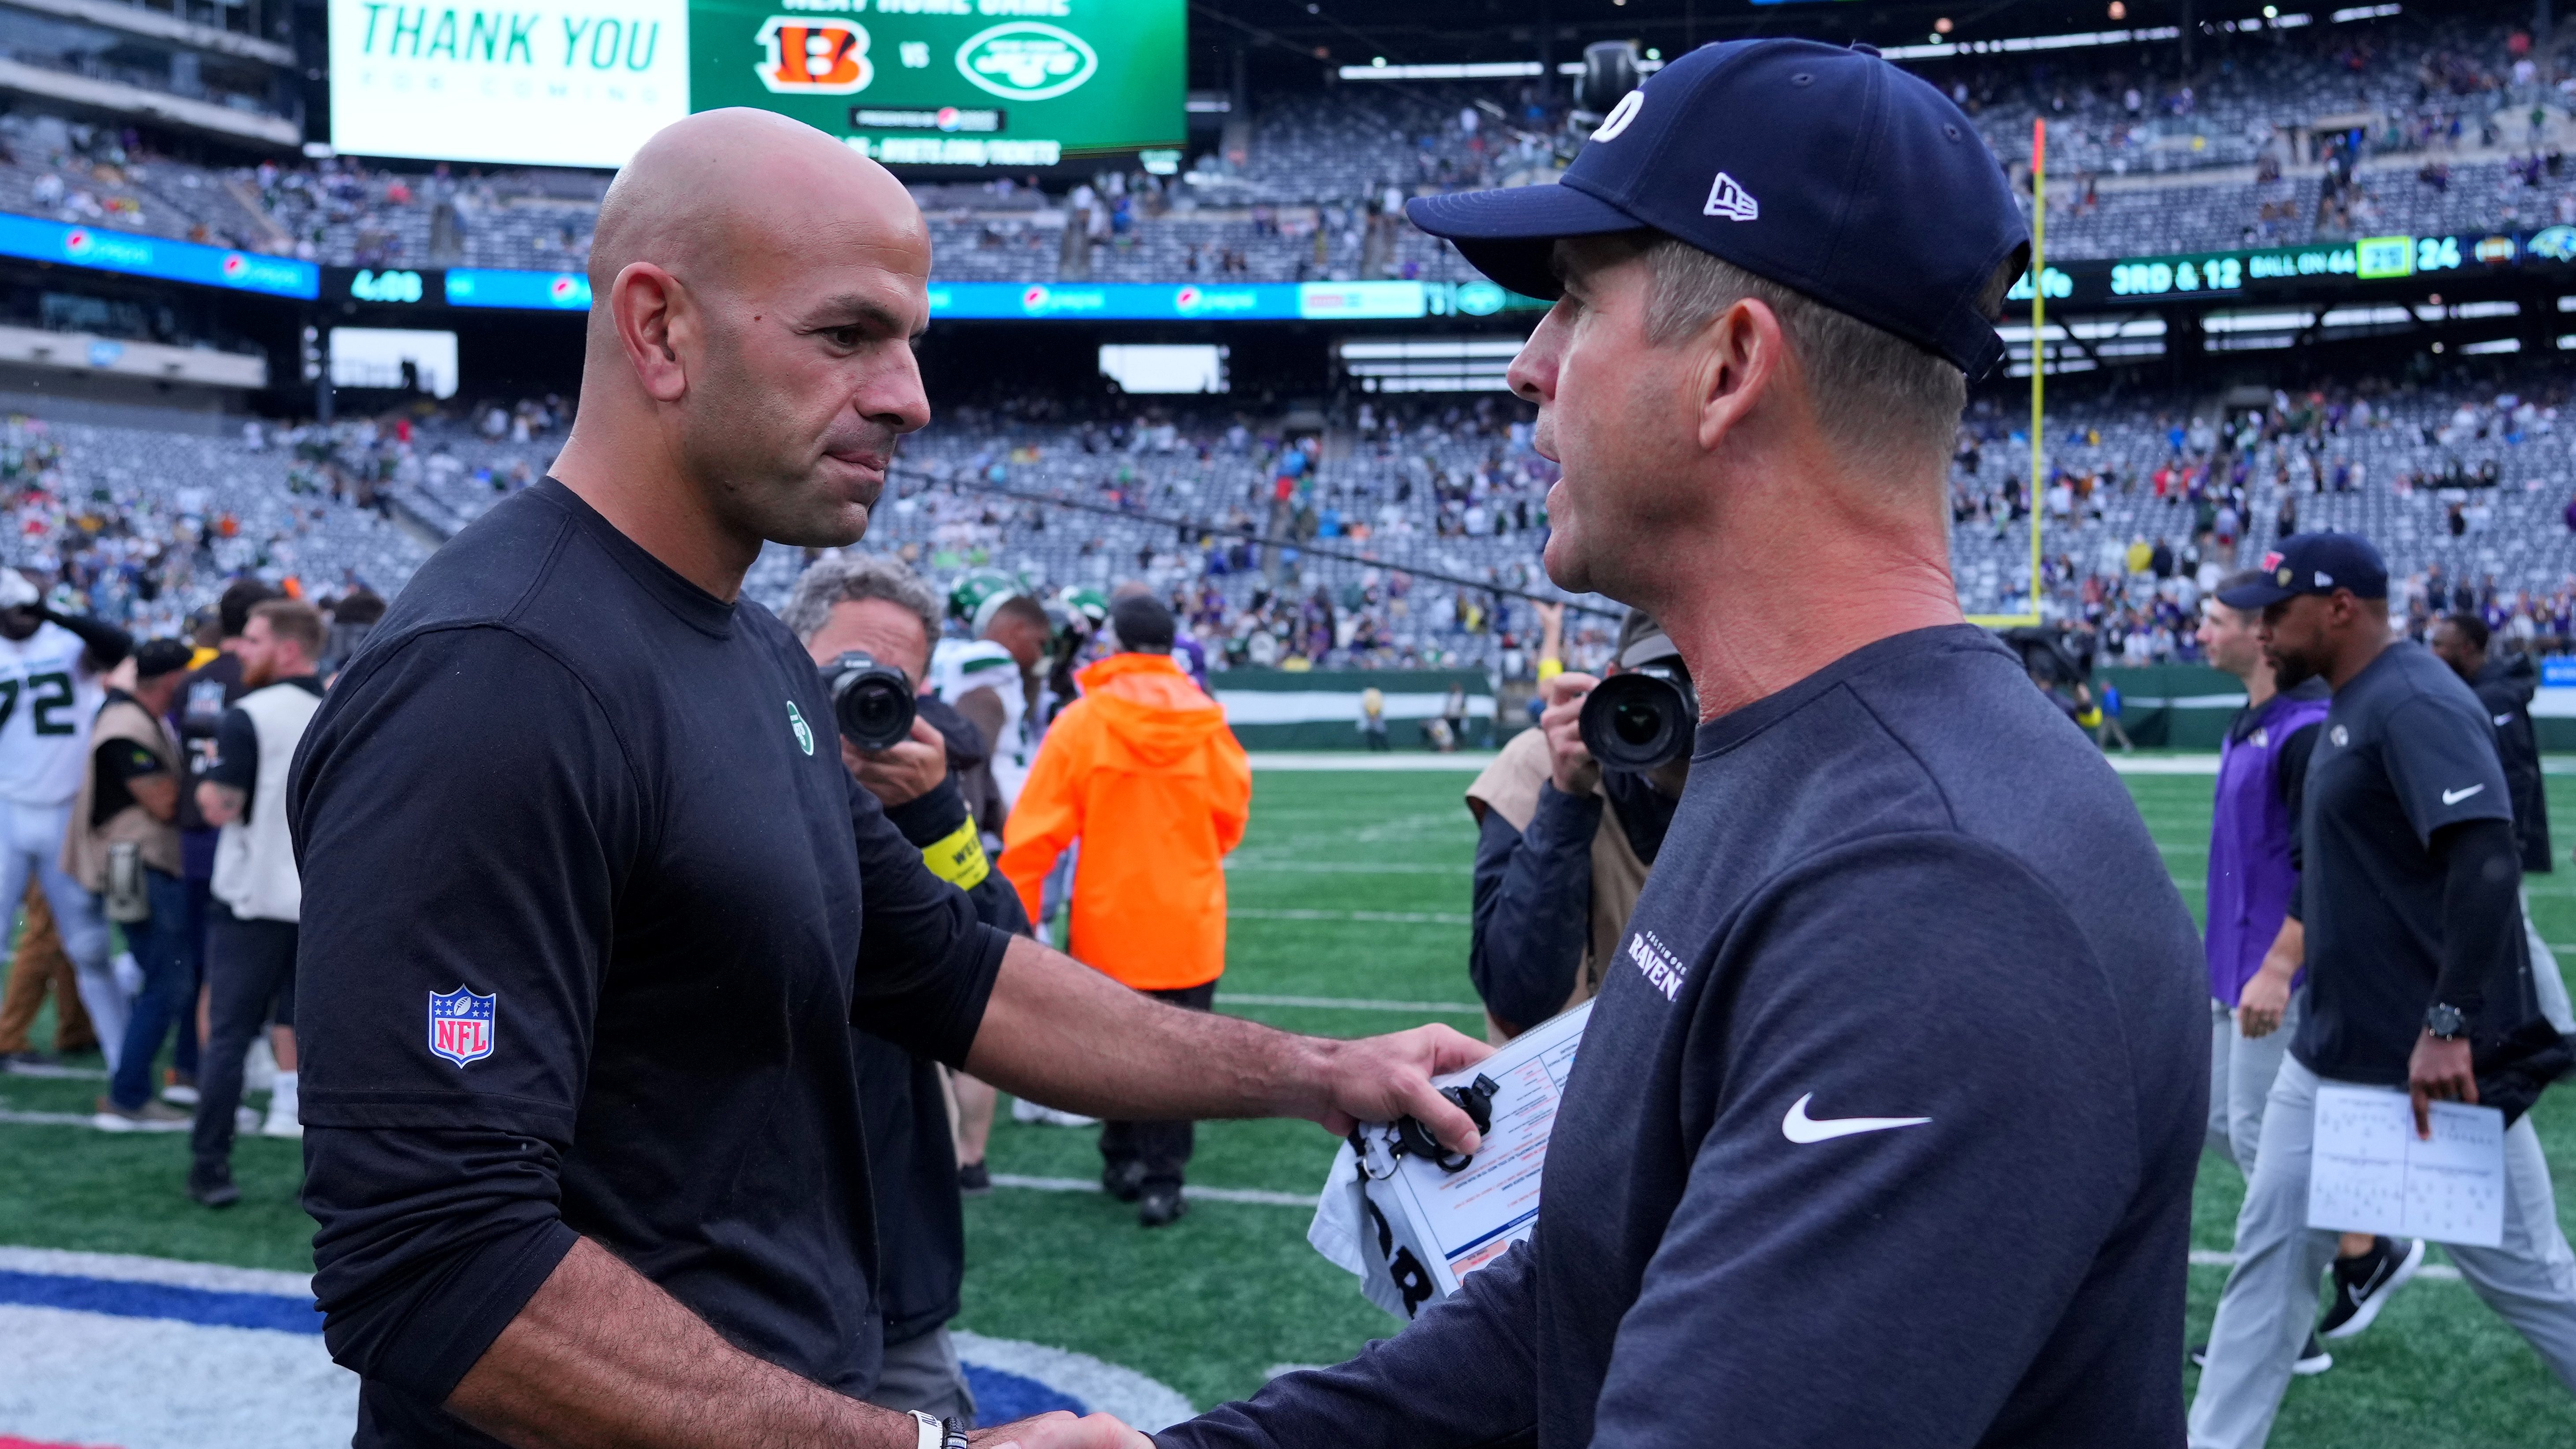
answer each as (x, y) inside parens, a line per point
(1160, 1206)
(1124, 1181)
(210, 1182)
(2312, 1360)
(2362, 1285)
(975, 1180)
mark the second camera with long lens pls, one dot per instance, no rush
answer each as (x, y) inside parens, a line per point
(1641, 718)
(872, 702)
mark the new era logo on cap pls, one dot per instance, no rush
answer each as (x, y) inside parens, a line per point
(1727, 199)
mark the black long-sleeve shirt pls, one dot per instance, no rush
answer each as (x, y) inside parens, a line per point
(590, 908)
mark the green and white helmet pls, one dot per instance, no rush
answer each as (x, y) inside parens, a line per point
(1078, 612)
(977, 593)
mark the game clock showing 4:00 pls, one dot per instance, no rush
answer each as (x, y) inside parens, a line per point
(990, 83)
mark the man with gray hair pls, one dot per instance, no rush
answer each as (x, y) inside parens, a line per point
(1884, 1127)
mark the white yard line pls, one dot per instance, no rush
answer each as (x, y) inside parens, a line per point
(2211, 1258)
(1352, 1003)
(1299, 913)
(1206, 1194)
(1340, 760)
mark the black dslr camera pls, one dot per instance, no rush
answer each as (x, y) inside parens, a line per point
(872, 702)
(1642, 718)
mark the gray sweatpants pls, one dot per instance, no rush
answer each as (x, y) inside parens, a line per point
(2240, 1078)
(2270, 1301)
(2544, 974)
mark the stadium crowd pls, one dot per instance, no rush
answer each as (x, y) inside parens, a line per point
(2419, 123)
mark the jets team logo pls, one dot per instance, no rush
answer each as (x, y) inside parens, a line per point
(1026, 61)
(796, 722)
(460, 1025)
(808, 56)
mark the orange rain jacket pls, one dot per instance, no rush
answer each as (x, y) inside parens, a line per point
(1143, 771)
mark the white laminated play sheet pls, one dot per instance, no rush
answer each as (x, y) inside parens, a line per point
(1412, 1231)
(2372, 1174)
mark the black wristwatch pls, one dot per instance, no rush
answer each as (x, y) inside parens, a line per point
(2443, 1021)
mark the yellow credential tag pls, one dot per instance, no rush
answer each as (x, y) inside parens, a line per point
(959, 859)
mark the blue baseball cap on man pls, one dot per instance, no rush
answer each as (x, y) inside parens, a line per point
(2314, 563)
(1824, 169)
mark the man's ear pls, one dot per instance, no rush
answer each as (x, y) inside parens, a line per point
(650, 309)
(1741, 357)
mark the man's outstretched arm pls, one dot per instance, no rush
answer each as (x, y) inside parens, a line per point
(1059, 1032)
(600, 1356)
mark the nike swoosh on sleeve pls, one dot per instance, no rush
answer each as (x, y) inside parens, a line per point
(2454, 797)
(1798, 1127)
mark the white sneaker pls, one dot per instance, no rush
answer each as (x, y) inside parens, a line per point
(245, 1119)
(259, 1066)
(1024, 1110)
(282, 1113)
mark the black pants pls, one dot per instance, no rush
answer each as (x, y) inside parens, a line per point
(250, 982)
(1162, 1147)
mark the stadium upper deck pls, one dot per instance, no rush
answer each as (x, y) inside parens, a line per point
(2437, 125)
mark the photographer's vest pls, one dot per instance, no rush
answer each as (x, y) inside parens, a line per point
(1509, 787)
(255, 860)
(85, 846)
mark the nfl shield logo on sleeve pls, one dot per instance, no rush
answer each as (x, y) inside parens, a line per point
(460, 1025)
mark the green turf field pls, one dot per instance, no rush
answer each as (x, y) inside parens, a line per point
(1350, 887)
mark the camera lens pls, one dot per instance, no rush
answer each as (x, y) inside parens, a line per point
(872, 702)
(1639, 720)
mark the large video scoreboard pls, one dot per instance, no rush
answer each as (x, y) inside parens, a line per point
(1007, 83)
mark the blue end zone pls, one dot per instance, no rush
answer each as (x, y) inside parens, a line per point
(1001, 1397)
(160, 1300)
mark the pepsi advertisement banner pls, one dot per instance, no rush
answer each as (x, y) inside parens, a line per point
(152, 256)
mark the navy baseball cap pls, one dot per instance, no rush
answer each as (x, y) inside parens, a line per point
(1824, 169)
(2314, 563)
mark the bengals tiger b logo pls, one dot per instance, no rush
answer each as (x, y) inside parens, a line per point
(814, 56)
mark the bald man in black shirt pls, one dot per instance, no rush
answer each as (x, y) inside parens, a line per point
(591, 902)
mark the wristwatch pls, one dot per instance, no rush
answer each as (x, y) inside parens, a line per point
(934, 1434)
(2443, 1021)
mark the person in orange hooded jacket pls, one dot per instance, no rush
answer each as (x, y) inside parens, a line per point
(1144, 773)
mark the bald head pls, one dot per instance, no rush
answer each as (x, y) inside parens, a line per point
(756, 287)
(727, 196)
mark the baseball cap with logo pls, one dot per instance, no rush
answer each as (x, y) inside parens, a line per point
(2314, 563)
(1824, 169)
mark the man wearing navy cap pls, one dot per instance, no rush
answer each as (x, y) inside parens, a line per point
(1885, 1120)
(2417, 977)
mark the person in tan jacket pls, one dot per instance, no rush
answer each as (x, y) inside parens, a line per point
(1144, 773)
(123, 845)
(1562, 851)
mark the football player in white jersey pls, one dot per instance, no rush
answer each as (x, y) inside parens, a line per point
(991, 678)
(50, 689)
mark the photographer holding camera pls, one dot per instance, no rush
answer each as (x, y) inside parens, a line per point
(864, 618)
(1563, 844)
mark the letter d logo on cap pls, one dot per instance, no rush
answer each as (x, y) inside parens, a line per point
(1620, 115)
